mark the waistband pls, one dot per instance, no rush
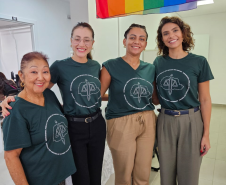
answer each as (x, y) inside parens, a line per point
(176, 112)
(86, 118)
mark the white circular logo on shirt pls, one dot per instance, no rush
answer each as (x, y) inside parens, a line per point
(173, 85)
(56, 134)
(137, 93)
(82, 88)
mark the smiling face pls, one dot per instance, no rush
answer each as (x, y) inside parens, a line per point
(82, 41)
(172, 36)
(136, 41)
(36, 76)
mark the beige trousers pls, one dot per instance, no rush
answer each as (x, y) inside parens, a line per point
(131, 139)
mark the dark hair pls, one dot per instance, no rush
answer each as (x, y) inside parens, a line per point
(31, 56)
(84, 25)
(188, 42)
(135, 26)
(3, 81)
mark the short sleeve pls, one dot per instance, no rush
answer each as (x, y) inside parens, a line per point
(205, 72)
(155, 61)
(54, 72)
(15, 131)
(107, 66)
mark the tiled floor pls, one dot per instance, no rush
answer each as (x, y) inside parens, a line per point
(213, 169)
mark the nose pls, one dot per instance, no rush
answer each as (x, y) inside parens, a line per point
(171, 34)
(40, 76)
(81, 43)
(137, 41)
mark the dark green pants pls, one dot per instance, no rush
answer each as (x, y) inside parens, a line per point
(179, 141)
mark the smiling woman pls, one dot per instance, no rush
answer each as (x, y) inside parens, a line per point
(35, 133)
(130, 116)
(182, 80)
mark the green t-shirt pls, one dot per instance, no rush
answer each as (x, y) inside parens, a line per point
(42, 132)
(130, 90)
(79, 85)
(177, 80)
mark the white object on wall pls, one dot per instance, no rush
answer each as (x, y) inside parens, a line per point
(14, 44)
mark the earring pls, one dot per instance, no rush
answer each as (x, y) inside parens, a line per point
(124, 46)
(22, 84)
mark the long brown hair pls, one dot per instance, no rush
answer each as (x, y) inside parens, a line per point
(3, 81)
(84, 25)
(188, 42)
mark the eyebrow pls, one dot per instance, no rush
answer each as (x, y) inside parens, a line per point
(33, 66)
(139, 36)
(37, 66)
(172, 29)
(80, 37)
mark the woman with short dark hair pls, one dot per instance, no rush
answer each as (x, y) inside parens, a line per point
(130, 116)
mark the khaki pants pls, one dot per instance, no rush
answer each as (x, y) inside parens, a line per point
(131, 139)
(179, 141)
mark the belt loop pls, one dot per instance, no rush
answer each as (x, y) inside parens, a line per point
(163, 110)
(191, 115)
(191, 111)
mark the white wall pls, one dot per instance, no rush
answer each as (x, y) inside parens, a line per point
(106, 35)
(215, 26)
(52, 28)
(79, 11)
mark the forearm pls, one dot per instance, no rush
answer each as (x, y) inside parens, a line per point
(206, 107)
(16, 170)
(104, 97)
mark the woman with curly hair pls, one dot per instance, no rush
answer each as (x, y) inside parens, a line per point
(182, 80)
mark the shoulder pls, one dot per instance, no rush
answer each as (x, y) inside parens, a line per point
(94, 62)
(197, 57)
(48, 92)
(18, 108)
(147, 64)
(112, 61)
(158, 59)
(60, 62)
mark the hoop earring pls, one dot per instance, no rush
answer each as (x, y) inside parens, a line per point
(22, 84)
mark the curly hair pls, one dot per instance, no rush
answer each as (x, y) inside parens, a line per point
(188, 42)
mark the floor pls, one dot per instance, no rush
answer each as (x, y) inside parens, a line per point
(213, 169)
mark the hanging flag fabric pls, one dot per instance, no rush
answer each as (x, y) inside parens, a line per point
(120, 8)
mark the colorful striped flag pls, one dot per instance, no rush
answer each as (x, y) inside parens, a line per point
(120, 8)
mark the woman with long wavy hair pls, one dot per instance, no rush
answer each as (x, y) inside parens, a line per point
(182, 80)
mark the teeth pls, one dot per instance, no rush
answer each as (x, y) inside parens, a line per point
(81, 49)
(135, 47)
(173, 41)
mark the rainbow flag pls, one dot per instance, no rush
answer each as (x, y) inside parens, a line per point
(120, 8)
